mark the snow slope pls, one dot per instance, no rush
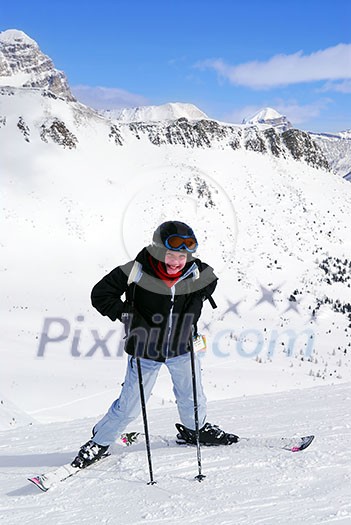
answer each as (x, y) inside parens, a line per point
(11, 416)
(243, 485)
(275, 229)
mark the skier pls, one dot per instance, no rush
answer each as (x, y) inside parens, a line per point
(165, 287)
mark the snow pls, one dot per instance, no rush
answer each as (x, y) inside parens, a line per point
(70, 213)
(14, 36)
(262, 115)
(337, 150)
(243, 485)
(345, 134)
(11, 416)
(268, 117)
(15, 80)
(169, 111)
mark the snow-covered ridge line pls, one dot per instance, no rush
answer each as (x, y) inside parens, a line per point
(169, 111)
(210, 133)
(66, 122)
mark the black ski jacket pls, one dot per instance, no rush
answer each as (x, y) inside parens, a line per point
(158, 319)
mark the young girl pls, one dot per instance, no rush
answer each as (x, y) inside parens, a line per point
(164, 288)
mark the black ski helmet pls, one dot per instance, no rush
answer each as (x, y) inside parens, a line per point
(164, 231)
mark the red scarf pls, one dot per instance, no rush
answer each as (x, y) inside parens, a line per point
(161, 272)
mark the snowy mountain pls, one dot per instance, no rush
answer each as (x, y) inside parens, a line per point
(170, 111)
(336, 147)
(337, 150)
(269, 117)
(22, 64)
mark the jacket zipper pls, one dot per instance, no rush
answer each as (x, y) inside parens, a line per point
(170, 319)
(190, 270)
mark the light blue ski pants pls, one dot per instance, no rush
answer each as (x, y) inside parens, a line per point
(128, 407)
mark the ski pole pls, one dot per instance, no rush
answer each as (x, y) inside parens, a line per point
(146, 428)
(200, 476)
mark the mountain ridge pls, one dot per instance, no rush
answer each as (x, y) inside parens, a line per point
(23, 65)
(169, 111)
(205, 133)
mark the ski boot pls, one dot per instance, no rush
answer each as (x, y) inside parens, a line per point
(208, 435)
(88, 454)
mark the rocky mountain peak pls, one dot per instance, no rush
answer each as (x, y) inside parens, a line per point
(23, 64)
(269, 117)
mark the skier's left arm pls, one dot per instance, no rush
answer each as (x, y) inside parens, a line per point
(205, 288)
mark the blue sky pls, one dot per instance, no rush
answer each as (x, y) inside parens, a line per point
(229, 58)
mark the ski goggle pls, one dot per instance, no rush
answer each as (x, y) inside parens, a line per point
(178, 242)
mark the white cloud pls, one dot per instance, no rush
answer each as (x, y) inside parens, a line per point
(107, 98)
(333, 63)
(296, 113)
(341, 87)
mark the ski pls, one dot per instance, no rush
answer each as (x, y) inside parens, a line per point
(45, 481)
(291, 444)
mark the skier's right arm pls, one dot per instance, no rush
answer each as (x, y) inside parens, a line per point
(106, 294)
